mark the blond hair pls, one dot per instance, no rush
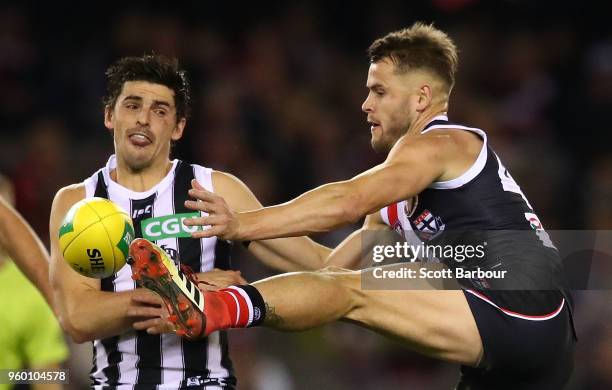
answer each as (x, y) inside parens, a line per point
(421, 46)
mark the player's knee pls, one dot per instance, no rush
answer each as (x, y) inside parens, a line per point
(346, 284)
(349, 283)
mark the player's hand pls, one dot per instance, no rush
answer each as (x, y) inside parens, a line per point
(149, 313)
(221, 220)
(217, 279)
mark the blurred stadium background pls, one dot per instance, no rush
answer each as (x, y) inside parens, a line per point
(277, 95)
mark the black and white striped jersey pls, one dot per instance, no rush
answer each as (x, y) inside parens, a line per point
(162, 361)
(484, 206)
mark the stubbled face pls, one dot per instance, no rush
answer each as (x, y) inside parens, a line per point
(390, 105)
(144, 123)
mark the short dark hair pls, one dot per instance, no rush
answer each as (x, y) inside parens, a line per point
(152, 68)
(420, 46)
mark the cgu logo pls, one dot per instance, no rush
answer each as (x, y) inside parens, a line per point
(168, 226)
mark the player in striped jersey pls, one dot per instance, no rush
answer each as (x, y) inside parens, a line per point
(146, 109)
(439, 178)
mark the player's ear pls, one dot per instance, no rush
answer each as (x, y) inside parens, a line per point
(108, 117)
(425, 97)
(177, 133)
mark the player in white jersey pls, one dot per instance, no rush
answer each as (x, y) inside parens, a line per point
(146, 109)
(439, 179)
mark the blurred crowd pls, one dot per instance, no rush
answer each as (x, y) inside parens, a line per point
(277, 96)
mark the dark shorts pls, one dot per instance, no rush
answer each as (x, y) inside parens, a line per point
(520, 351)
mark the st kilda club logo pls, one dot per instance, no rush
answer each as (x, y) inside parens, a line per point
(427, 225)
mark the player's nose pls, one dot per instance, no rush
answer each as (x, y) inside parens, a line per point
(143, 116)
(366, 106)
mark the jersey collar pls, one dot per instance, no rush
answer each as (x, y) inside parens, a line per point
(437, 120)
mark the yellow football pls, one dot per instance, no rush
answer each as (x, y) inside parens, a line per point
(95, 236)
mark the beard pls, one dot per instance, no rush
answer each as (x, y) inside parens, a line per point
(387, 139)
(379, 145)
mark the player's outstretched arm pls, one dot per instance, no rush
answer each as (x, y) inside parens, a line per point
(85, 312)
(25, 248)
(410, 167)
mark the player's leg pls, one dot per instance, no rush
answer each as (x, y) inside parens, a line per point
(437, 323)
(520, 349)
(520, 353)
